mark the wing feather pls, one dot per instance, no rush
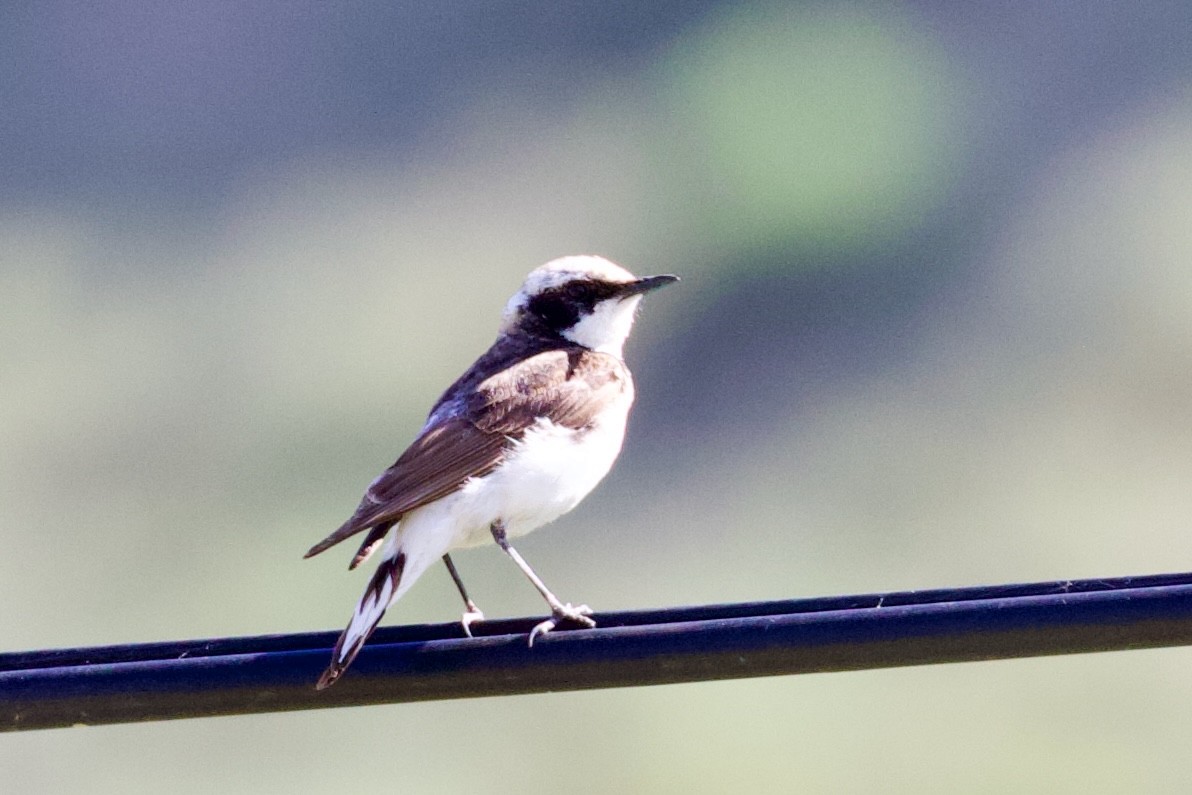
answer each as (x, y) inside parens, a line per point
(569, 387)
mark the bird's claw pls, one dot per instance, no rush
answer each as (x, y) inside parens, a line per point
(472, 615)
(563, 613)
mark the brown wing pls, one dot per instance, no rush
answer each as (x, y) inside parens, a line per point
(569, 387)
(436, 464)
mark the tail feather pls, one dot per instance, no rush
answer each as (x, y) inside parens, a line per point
(376, 599)
(347, 529)
(371, 542)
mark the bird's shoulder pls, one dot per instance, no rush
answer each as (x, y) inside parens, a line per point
(569, 386)
(516, 383)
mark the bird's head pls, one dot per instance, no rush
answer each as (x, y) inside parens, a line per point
(585, 300)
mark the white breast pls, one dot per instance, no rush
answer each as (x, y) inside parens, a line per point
(544, 477)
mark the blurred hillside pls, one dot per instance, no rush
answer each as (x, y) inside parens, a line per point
(935, 329)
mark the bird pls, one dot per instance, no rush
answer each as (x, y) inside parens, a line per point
(516, 442)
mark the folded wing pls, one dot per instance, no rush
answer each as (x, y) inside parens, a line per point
(436, 464)
(568, 387)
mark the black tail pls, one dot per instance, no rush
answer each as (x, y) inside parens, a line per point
(371, 542)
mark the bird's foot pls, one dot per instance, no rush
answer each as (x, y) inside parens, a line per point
(472, 615)
(563, 613)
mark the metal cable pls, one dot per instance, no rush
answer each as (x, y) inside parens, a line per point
(235, 676)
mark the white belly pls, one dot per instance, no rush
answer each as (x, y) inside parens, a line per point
(543, 477)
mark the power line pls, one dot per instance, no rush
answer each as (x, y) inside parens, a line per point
(273, 673)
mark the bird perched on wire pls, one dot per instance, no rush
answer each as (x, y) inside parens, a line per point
(516, 442)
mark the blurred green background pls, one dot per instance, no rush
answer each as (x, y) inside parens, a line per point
(935, 330)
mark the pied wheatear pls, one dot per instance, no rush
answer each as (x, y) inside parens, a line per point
(515, 443)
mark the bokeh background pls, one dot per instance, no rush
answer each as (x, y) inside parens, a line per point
(935, 329)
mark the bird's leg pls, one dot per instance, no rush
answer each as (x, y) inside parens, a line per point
(472, 613)
(558, 611)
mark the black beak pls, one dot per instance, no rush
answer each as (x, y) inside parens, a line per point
(646, 285)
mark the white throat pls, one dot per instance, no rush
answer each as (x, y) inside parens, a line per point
(607, 327)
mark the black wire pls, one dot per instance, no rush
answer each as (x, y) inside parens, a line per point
(232, 676)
